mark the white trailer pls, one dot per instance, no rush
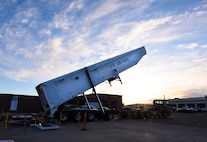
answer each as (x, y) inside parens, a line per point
(55, 92)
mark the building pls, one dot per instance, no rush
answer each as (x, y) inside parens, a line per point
(200, 102)
(24, 104)
(32, 104)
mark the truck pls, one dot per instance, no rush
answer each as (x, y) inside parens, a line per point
(57, 91)
(159, 109)
(76, 113)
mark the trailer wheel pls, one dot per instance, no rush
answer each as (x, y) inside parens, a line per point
(109, 116)
(90, 116)
(64, 117)
(78, 116)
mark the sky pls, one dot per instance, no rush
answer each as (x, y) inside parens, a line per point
(43, 39)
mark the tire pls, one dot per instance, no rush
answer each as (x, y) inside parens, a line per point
(64, 117)
(109, 116)
(124, 115)
(78, 116)
(90, 116)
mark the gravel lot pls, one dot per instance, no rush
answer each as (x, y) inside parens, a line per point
(187, 119)
(185, 127)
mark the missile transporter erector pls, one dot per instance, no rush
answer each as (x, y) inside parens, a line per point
(57, 91)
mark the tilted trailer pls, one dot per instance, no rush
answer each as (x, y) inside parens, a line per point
(57, 91)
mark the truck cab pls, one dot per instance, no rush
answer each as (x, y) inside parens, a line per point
(162, 107)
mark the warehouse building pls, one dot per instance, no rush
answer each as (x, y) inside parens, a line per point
(22, 103)
(32, 104)
(200, 102)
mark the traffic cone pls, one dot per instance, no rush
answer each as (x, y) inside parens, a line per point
(84, 121)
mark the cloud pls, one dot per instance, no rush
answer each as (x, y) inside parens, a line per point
(65, 18)
(204, 46)
(61, 22)
(55, 46)
(76, 5)
(46, 39)
(66, 42)
(105, 8)
(194, 93)
(188, 46)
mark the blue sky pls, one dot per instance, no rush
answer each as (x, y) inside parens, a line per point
(43, 39)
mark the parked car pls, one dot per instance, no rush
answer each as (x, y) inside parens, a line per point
(183, 109)
(85, 107)
(204, 109)
(188, 109)
(70, 107)
(193, 109)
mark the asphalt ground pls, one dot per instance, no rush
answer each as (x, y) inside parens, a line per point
(180, 127)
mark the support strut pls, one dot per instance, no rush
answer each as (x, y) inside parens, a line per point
(87, 101)
(94, 90)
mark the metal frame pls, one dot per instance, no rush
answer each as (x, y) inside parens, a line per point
(93, 91)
